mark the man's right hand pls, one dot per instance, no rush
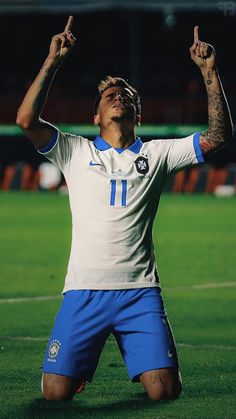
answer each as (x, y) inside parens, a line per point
(62, 43)
(29, 114)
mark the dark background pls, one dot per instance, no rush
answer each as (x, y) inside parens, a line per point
(135, 45)
(149, 48)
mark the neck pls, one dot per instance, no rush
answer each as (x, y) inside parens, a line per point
(118, 137)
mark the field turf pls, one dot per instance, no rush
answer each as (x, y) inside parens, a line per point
(195, 238)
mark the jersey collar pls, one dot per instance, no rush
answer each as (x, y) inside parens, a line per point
(102, 145)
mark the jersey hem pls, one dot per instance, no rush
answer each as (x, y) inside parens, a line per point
(115, 287)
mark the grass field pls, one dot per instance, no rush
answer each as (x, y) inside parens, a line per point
(195, 239)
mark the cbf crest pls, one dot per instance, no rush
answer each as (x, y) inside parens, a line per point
(142, 165)
(54, 348)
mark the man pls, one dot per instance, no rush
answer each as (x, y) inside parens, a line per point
(114, 184)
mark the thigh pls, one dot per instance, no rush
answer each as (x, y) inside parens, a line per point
(144, 334)
(78, 336)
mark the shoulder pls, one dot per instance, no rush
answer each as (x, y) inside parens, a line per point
(168, 143)
(66, 140)
(75, 138)
(157, 145)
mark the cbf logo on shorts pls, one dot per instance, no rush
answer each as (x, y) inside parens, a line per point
(53, 350)
(142, 165)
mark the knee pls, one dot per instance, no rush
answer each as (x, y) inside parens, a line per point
(162, 385)
(54, 392)
(156, 392)
(162, 392)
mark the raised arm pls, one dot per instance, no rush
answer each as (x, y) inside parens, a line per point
(220, 127)
(28, 117)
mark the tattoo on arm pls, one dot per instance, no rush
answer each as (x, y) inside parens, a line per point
(43, 91)
(209, 81)
(219, 122)
(215, 134)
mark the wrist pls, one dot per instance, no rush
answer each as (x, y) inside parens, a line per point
(211, 78)
(51, 64)
(206, 72)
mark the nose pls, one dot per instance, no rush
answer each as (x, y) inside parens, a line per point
(118, 97)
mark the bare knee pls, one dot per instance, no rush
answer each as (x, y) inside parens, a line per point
(56, 394)
(163, 384)
(58, 387)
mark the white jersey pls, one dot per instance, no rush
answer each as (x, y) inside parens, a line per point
(114, 196)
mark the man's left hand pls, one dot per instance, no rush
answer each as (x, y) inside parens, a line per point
(202, 54)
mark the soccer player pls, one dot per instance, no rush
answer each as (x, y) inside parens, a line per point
(115, 183)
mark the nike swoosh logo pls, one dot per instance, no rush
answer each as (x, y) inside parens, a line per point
(92, 163)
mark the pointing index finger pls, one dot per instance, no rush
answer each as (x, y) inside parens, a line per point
(69, 24)
(196, 34)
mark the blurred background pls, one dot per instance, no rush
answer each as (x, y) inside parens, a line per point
(146, 42)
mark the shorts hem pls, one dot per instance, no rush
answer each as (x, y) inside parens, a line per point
(136, 378)
(88, 378)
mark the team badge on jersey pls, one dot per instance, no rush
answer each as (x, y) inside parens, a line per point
(142, 165)
(54, 348)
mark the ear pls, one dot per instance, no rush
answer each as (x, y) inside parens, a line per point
(96, 120)
(138, 120)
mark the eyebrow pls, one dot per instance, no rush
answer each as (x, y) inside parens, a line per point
(110, 94)
(126, 90)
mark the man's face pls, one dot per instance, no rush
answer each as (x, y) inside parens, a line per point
(116, 104)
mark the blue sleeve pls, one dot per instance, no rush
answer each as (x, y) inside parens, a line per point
(51, 143)
(197, 147)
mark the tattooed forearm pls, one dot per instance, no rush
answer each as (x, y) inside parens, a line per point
(44, 85)
(31, 108)
(219, 120)
(217, 130)
(209, 80)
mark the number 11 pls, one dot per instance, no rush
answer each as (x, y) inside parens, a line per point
(123, 192)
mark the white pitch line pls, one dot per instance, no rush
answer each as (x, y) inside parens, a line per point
(207, 346)
(26, 299)
(183, 288)
(26, 338)
(202, 286)
(180, 345)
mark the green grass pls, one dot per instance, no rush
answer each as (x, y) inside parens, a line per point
(195, 241)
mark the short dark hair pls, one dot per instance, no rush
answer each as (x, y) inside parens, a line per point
(111, 81)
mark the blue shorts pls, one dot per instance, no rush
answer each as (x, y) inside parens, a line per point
(136, 318)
